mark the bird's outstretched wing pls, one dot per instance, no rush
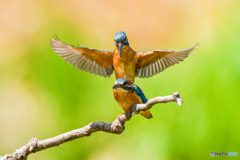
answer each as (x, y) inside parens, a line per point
(85, 59)
(153, 62)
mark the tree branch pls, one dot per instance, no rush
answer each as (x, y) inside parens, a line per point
(117, 127)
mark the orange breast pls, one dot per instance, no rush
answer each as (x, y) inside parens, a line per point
(125, 66)
(126, 99)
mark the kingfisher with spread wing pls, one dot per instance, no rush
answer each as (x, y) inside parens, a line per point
(126, 62)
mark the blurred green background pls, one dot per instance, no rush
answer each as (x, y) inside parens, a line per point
(43, 96)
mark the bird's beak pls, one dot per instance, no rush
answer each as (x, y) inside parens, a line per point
(116, 86)
(120, 48)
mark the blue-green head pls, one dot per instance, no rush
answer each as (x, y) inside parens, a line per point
(120, 39)
(122, 83)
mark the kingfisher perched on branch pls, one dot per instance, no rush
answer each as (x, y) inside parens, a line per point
(127, 94)
(126, 62)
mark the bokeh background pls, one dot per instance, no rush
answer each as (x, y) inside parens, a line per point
(43, 96)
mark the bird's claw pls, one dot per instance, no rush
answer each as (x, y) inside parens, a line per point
(131, 82)
(119, 115)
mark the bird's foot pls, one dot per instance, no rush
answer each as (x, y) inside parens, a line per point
(119, 115)
(131, 82)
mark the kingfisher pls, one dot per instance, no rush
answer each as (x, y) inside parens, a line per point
(127, 94)
(126, 62)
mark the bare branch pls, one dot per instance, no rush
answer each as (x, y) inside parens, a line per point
(117, 127)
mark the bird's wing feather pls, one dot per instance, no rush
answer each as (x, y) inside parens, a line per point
(85, 59)
(153, 62)
(140, 93)
(147, 114)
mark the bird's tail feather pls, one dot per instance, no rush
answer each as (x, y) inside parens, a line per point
(147, 114)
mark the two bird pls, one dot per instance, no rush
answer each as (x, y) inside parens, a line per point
(124, 61)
